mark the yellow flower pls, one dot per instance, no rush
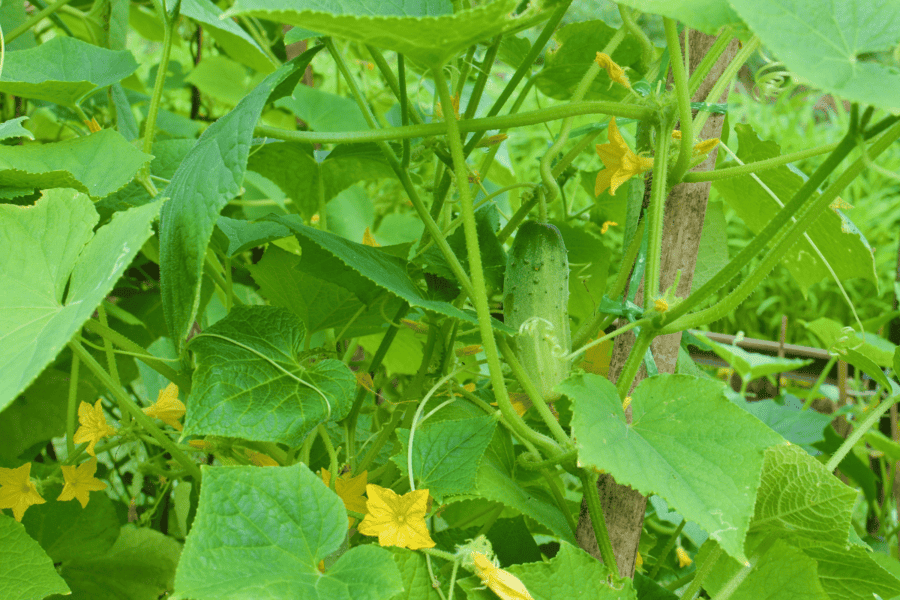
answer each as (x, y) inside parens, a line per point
(660, 305)
(683, 559)
(350, 490)
(621, 163)
(626, 403)
(93, 425)
(167, 408)
(616, 73)
(468, 350)
(606, 225)
(491, 140)
(259, 459)
(363, 379)
(518, 401)
(702, 148)
(17, 490)
(439, 110)
(369, 239)
(79, 481)
(705, 146)
(397, 520)
(638, 561)
(506, 585)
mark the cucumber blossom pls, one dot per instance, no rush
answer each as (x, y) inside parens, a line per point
(536, 298)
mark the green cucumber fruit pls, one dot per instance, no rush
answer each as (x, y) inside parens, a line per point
(536, 298)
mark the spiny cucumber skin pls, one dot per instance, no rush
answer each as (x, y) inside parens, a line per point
(536, 295)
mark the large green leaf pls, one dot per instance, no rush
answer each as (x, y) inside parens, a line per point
(64, 70)
(324, 111)
(236, 42)
(589, 267)
(446, 455)
(318, 303)
(798, 498)
(712, 255)
(832, 43)
(167, 156)
(293, 168)
(495, 482)
(572, 573)
(876, 349)
(414, 574)
(424, 30)
(709, 16)
(68, 532)
(578, 47)
(364, 270)
(28, 572)
(782, 573)
(687, 443)
(850, 573)
(798, 426)
(96, 164)
(249, 383)
(840, 242)
(751, 365)
(139, 566)
(261, 532)
(207, 179)
(43, 249)
(13, 128)
(39, 413)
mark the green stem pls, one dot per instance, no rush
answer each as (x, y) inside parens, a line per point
(679, 75)
(34, 20)
(211, 268)
(397, 86)
(137, 414)
(789, 233)
(738, 578)
(488, 161)
(647, 47)
(595, 325)
(702, 573)
(523, 68)
(811, 394)
(107, 347)
(633, 362)
(666, 549)
(595, 508)
(709, 59)
(725, 79)
(540, 404)
(403, 174)
(486, 65)
(412, 391)
(156, 97)
(758, 166)
(72, 406)
(517, 218)
(479, 291)
(540, 465)
(656, 212)
(780, 222)
(140, 353)
(332, 455)
(535, 117)
(546, 174)
(556, 492)
(861, 430)
(572, 154)
(380, 353)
